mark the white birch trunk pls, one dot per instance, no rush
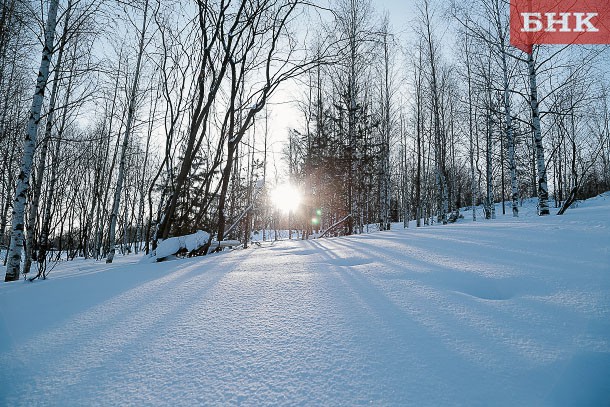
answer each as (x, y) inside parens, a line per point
(128, 125)
(473, 180)
(55, 159)
(418, 140)
(543, 190)
(508, 121)
(33, 211)
(23, 181)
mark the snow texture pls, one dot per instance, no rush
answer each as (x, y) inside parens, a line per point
(511, 312)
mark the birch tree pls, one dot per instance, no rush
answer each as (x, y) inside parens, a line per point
(490, 210)
(439, 137)
(502, 33)
(386, 127)
(50, 116)
(419, 130)
(473, 182)
(15, 45)
(491, 29)
(23, 183)
(543, 189)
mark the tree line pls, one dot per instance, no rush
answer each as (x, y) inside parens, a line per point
(150, 119)
(453, 117)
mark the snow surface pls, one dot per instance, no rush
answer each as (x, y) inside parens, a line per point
(510, 312)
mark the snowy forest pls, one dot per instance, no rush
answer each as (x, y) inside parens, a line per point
(123, 124)
(304, 203)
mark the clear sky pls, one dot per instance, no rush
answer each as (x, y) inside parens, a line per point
(401, 11)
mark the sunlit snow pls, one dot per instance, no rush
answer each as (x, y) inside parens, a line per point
(511, 312)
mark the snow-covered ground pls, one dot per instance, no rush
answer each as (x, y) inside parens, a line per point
(505, 312)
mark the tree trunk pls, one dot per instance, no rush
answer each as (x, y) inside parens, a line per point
(510, 136)
(128, 127)
(489, 200)
(226, 177)
(33, 212)
(419, 141)
(441, 177)
(23, 183)
(575, 179)
(140, 220)
(543, 190)
(473, 180)
(387, 130)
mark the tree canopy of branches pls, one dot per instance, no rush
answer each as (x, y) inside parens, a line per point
(125, 123)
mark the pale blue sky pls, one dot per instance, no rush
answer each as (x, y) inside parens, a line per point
(401, 11)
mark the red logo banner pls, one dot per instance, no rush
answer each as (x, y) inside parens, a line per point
(559, 22)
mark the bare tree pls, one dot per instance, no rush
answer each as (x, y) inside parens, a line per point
(36, 192)
(131, 112)
(386, 127)
(240, 43)
(439, 136)
(23, 184)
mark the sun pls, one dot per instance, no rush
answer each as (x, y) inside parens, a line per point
(286, 197)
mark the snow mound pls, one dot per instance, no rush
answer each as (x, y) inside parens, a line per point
(176, 244)
(600, 200)
(170, 246)
(196, 240)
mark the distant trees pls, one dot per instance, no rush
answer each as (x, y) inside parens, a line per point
(350, 122)
(387, 118)
(489, 132)
(490, 28)
(153, 119)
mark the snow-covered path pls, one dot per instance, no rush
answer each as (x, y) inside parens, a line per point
(503, 313)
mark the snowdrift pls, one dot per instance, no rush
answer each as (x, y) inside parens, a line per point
(187, 244)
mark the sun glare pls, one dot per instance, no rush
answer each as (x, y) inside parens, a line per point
(286, 197)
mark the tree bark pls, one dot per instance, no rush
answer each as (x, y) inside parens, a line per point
(441, 177)
(23, 182)
(473, 180)
(542, 190)
(508, 121)
(33, 211)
